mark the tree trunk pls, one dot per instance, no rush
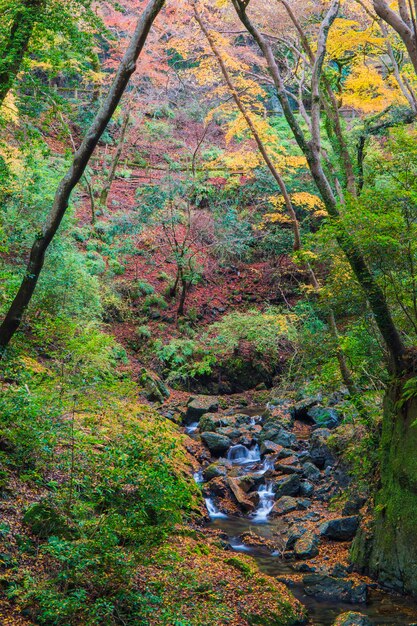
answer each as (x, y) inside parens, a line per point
(254, 132)
(312, 151)
(81, 158)
(13, 52)
(115, 161)
(388, 550)
(402, 23)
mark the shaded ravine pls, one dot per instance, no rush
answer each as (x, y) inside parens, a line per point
(382, 607)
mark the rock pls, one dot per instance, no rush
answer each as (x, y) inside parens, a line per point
(241, 419)
(301, 408)
(328, 588)
(199, 405)
(306, 488)
(279, 435)
(352, 619)
(324, 417)
(216, 487)
(214, 470)
(153, 387)
(311, 472)
(280, 414)
(320, 453)
(306, 547)
(246, 503)
(287, 486)
(217, 444)
(354, 505)
(340, 529)
(269, 447)
(230, 431)
(249, 481)
(285, 505)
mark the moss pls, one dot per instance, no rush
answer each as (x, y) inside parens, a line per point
(392, 552)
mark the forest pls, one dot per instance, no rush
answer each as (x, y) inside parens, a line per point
(208, 312)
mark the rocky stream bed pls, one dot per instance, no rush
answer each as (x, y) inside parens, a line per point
(270, 480)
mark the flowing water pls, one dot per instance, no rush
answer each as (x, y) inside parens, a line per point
(382, 608)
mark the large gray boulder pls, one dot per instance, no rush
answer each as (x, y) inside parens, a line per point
(199, 405)
(321, 455)
(331, 589)
(217, 444)
(340, 529)
(286, 504)
(288, 486)
(325, 417)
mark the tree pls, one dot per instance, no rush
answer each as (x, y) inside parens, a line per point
(80, 161)
(14, 48)
(403, 22)
(393, 553)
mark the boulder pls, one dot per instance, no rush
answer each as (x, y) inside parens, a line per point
(300, 409)
(285, 505)
(306, 488)
(211, 422)
(311, 472)
(340, 529)
(152, 387)
(354, 504)
(279, 435)
(241, 419)
(321, 454)
(269, 447)
(324, 417)
(197, 406)
(216, 487)
(288, 486)
(330, 589)
(230, 431)
(245, 502)
(352, 619)
(214, 470)
(217, 444)
(306, 546)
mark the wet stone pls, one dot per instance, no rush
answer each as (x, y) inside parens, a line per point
(329, 588)
(306, 547)
(340, 529)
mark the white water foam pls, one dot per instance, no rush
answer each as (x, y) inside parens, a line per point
(266, 502)
(240, 455)
(212, 509)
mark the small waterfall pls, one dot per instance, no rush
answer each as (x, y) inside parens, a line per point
(266, 502)
(239, 455)
(212, 509)
(268, 464)
(191, 428)
(198, 477)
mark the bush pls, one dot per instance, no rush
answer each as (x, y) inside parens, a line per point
(246, 348)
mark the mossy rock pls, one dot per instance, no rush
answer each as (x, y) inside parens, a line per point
(45, 520)
(153, 387)
(352, 619)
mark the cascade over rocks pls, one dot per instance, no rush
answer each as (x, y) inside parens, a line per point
(281, 476)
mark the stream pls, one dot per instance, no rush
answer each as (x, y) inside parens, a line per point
(381, 607)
